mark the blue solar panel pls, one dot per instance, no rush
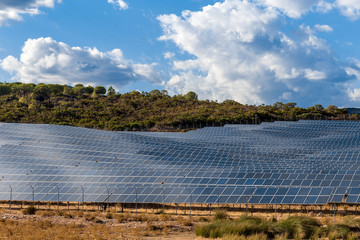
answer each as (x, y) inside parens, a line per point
(313, 162)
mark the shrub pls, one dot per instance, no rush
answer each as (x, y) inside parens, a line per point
(29, 210)
(187, 223)
(109, 216)
(203, 219)
(338, 231)
(221, 214)
(351, 222)
(353, 236)
(245, 226)
(297, 227)
(252, 237)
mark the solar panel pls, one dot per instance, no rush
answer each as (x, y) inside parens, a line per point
(304, 162)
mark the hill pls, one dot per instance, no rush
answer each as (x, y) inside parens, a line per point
(96, 107)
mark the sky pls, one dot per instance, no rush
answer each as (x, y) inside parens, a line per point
(251, 51)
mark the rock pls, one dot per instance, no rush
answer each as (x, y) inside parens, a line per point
(320, 214)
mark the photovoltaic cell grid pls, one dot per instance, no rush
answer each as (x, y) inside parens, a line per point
(305, 162)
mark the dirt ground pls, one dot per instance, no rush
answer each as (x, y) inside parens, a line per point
(152, 228)
(145, 223)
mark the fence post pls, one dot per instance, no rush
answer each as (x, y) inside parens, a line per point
(10, 197)
(163, 210)
(307, 206)
(190, 202)
(135, 201)
(83, 197)
(58, 199)
(107, 200)
(33, 195)
(247, 203)
(275, 206)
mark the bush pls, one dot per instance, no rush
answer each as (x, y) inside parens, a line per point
(109, 216)
(252, 237)
(29, 210)
(338, 231)
(203, 219)
(221, 214)
(297, 227)
(245, 226)
(187, 223)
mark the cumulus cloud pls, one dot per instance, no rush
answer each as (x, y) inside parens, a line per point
(48, 61)
(119, 3)
(349, 8)
(295, 9)
(14, 9)
(323, 28)
(239, 52)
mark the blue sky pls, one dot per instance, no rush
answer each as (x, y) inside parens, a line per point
(255, 52)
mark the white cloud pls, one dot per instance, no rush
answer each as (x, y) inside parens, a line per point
(169, 55)
(323, 28)
(12, 10)
(46, 60)
(349, 8)
(297, 8)
(119, 3)
(239, 52)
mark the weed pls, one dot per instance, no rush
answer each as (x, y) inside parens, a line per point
(187, 223)
(221, 214)
(45, 213)
(109, 216)
(89, 217)
(203, 219)
(29, 210)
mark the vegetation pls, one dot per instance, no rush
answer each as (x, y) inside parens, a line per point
(96, 107)
(29, 210)
(294, 227)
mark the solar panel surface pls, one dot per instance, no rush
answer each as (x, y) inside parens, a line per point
(305, 162)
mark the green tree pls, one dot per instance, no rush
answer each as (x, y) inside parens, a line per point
(41, 92)
(111, 91)
(23, 89)
(191, 96)
(56, 89)
(100, 90)
(88, 90)
(4, 89)
(67, 90)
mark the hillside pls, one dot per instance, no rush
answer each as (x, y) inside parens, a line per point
(105, 109)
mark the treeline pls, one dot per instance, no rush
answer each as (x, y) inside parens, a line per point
(100, 108)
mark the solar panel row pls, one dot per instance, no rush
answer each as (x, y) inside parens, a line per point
(305, 162)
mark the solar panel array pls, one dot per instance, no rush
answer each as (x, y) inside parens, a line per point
(304, 162)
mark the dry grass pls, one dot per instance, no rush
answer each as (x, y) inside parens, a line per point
(88, 225)
(44, 229)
